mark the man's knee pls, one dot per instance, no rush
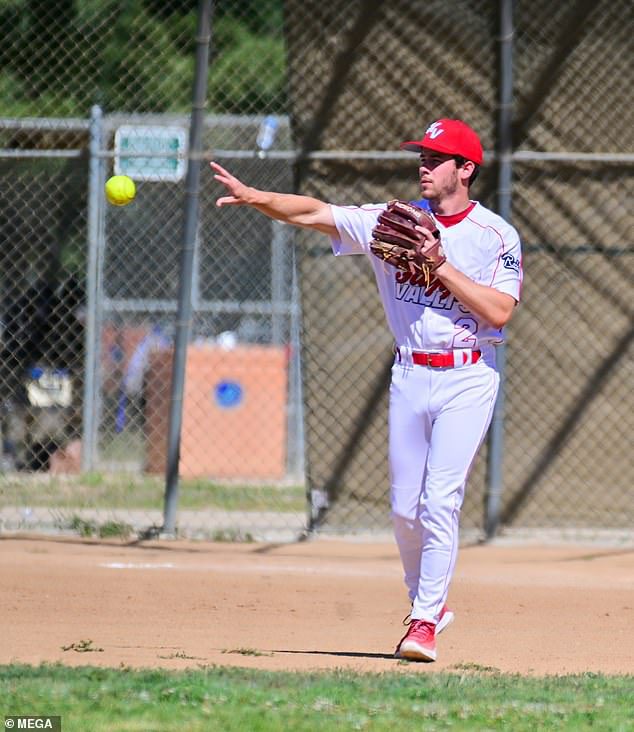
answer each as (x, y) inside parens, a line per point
(439, 513)
(405, 505)
(404, 523)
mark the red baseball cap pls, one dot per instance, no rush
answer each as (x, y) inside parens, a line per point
(450, 136)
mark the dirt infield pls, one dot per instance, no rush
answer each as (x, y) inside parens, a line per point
(315, 605)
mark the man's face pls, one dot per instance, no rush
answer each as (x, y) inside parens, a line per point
(438, 174)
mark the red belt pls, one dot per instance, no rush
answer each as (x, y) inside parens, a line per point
(445, 360)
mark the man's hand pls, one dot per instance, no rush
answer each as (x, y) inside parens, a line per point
(429, 249)
(240, 194)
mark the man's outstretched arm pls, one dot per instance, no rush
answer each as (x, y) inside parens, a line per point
(310, 213)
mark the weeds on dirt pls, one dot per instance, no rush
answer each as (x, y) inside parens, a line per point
(247, 652)
(232, 535)
(82, 526)
(83, 646)
(106, 530)
(181, 654)
(476, 667)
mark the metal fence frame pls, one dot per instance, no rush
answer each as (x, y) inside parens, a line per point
(278, 308)
(99, 304)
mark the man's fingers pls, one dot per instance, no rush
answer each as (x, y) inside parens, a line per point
(223, 176)
(218, 168)
(429, 236)
(230, 182)
(227, 201)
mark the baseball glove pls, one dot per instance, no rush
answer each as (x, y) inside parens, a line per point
(397, 241)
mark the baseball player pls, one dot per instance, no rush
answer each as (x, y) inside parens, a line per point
(444, 377)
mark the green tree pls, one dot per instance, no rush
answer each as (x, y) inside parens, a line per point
(137, 56)
(248, 71)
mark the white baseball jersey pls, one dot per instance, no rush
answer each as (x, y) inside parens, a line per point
(482, 246)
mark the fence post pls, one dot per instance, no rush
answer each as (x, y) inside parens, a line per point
(278, 283)
(495, 464)
(295, 461)
(183, 320)
(93, 290)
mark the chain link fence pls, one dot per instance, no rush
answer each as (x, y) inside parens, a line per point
(284, 409)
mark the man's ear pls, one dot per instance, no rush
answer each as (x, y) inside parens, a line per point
(466, 170)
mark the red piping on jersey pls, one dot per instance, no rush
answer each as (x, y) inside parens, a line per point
(477, 223)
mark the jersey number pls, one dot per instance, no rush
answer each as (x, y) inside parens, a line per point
(465, 336)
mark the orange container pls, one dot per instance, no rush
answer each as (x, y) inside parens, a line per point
(234, 412)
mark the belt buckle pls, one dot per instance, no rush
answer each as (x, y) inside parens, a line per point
(428, 359)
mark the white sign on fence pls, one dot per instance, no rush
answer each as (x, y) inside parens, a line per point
(150, 152)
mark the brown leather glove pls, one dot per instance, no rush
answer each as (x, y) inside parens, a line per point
(397, 241)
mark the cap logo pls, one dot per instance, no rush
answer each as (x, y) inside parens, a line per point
(434, 130)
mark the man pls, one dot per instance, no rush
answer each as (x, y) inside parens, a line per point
(444, 377)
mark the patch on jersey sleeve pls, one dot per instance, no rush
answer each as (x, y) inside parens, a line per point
(510, 262)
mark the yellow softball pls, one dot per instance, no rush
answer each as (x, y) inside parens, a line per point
(120, 190)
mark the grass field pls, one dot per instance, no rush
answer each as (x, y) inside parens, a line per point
(216, 698)
(97, 490)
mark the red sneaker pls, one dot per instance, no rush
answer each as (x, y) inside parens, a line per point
(446, 618)
(419, 643)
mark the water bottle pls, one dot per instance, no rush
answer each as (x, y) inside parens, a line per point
(267, 132)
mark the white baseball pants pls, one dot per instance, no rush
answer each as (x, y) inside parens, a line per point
(437, 421)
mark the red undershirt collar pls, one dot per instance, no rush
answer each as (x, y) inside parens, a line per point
(454, 219)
